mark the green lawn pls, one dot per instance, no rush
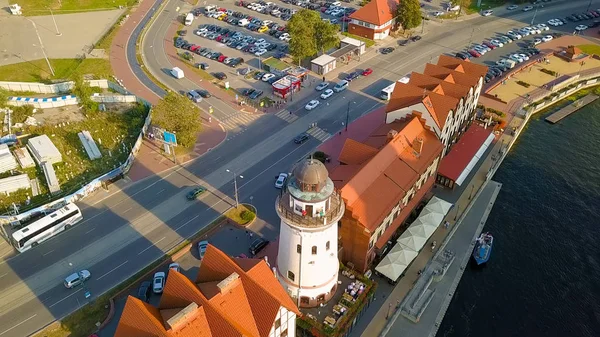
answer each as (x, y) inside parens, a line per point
(34, 7)
(38, 71)
(590, 49)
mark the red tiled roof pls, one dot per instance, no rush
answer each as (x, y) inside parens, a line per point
(247, 307)
(376, 12)
(463, 152)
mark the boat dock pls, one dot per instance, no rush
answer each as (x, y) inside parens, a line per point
(571, 108)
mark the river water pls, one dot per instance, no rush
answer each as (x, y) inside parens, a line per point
(543, 278)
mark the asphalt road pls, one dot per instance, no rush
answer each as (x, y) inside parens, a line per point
(126, 229)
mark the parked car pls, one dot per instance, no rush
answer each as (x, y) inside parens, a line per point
(193, 194)
(256, 94)
(301, 138)
(175, 266)
(281, 179)
(387, 50)
(202, 246)
(144, 291)
(194, 96)
(487, 12)
(258, 245)
(352, 76)
(367, 72)
(203, 93)
(220, 76)
(322, 86)
(267, 77)
(158, 283)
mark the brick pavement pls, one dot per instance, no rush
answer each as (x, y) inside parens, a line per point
(150, 159)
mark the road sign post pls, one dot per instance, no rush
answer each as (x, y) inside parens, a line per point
(171, 140)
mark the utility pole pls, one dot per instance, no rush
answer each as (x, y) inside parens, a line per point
(456, 215)
(589, 5)
(472, 189)
(42, 46)
(235, 188)
(55, 25)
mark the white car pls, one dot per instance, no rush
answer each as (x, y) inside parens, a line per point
(438, 13)
(524, 57)
(322, 86)
(553, 22)
(267, 22)
(260, 41)
(524, 32)
(284, 36)
(537, 41)
(547, 38)
(581, 28)
(281, 179)
(514, 34)
(487, 12)
(527, 8)
(158, 283)
(202, 245)
(516, 57)
(326, 94)
(542, 27)
(267, 77)
(260, 52)
(534, 30)
(175, 266)
(497, 43)
(312, 104)
(512, 7)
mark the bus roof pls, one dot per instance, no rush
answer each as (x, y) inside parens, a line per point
(18, 235)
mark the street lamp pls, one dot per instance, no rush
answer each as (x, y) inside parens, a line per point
(348, 113)
(456, 215)
(237, 204)
(41, 45)
(55, 25)
(472, 189)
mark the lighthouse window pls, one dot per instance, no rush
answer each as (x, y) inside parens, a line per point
(298, 249)
(291, 275)
(327, 245)
(314, 250)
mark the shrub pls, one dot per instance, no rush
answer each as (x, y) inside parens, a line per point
(495, 112)
(548, 71)
(320, 156)
(525, 84)
(247, 215)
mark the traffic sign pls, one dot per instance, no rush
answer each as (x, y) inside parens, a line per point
(170, 138)
(88, 294)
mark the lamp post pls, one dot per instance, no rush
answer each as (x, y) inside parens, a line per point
(41, 45)
(58, 33)
(472, 189)
(348, 114)
(589, 5)
(456, 215)
(389, 313)
(235, 189)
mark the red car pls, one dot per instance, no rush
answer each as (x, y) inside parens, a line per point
(219, 38)
(323, 9)
(488, 44)
(194, 47)
(221, 58)
(367, 72)
(474, 53)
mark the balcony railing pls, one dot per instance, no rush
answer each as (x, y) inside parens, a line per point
(336, 208)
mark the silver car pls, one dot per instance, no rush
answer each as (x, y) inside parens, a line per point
(76, 279)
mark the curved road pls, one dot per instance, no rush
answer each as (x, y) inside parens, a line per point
(125, 230)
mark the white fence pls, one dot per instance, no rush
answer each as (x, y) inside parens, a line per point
(38, 87)
(114, 98)
(43, 103)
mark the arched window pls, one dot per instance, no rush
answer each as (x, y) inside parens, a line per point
(327, 245)
(299, 249)
(314, 250)
(291, 275)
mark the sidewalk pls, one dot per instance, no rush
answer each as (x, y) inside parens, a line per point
(460, 209)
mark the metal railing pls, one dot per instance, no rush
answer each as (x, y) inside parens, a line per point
(336, 207)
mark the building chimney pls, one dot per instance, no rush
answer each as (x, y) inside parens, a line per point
(417, 145)
(274, 272)
(228, 283)
(179, 317)
(391, 135)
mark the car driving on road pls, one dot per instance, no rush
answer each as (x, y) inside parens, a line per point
(301, 138)
(76, 279)
(322, 86)
(311, 105)
(193, 194)
(326, 94)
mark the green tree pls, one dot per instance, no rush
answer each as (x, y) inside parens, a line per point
(302, 30)
(326, 36)
(175, 113)
(83, 91)
(408, 14)
(464, 4)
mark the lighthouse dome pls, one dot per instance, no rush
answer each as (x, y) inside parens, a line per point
(310, 175)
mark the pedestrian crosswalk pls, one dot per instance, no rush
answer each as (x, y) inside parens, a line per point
(239, 121)
(286, 115)
(319, 133)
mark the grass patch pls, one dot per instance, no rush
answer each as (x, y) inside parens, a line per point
(40, 7)
(590, 49)
(548, 71)
(369, 43)
(38, 71)
(524, 84)
(242, 215)
(83, 322)
(485, 4)
(115, 134)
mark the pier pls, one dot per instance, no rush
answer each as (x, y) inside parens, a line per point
(571, 108)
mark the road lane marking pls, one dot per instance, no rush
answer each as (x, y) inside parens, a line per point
(14, 326)
(110, 271)
(75, 292)
(153, 245)
(90, 230)
(1, 276)
(127, 210)
(48, 252)
(187, 222)
(159, 192)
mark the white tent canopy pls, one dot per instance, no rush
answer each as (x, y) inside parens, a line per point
(423, 226)
(397, 260)
(438, 205)
(410, 241)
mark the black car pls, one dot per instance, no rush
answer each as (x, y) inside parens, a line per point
(404, 42)
(462, 55)
(247, 91)
(203, 93)
(259, 75)
(387, 50)
(243, 71)
(258, 245)
(352, 76)
(203, 66)
(144, 291)
(301, 138)
(193, 194)
(256, 94)
(415, 38)
(220, 76)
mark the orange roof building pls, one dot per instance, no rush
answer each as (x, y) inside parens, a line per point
(231, 297)
(383, 171)
(445, 95)
(374, 20)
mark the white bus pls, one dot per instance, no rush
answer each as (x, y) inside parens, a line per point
(46, 227)
(386, 93)
(189, 18)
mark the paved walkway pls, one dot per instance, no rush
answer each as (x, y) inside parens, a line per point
(150, 159)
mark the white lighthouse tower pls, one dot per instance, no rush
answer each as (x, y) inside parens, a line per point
(309, 208)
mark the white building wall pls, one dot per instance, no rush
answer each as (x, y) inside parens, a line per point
(401, 113)
(284, 325)
(316, 273)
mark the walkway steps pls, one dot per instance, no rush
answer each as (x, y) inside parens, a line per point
(571, 108)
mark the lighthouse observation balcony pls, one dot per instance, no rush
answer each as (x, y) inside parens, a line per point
(305, 216)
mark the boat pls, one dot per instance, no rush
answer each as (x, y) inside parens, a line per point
(483, 248)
